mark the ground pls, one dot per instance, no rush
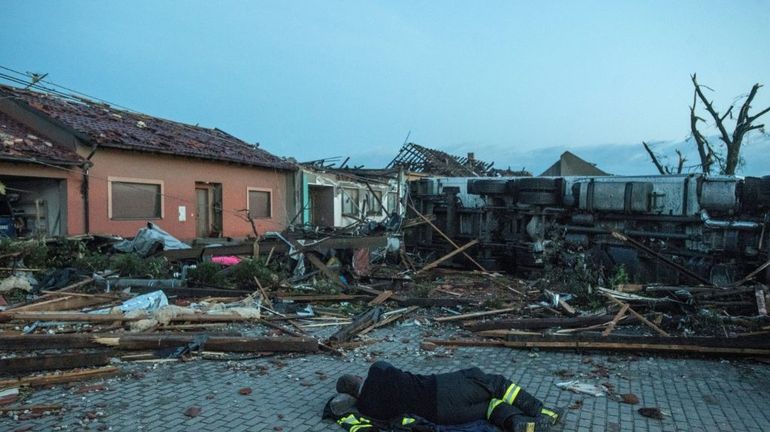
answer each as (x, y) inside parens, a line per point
(288, 392)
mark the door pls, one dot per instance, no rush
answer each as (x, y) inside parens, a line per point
(202, 215)
(322, 206)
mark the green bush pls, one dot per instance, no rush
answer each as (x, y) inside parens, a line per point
(207, 273)
(243, 274)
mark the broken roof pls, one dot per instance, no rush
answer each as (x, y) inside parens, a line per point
(110, 127)
(19, 143)
(416, 158)
(569, 165)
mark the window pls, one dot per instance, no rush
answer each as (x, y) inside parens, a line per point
(392, 200)
(349, 201)
(373, 207)
(135, 199)
(260, 204)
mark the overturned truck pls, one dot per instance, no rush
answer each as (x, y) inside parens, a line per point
(672, 229)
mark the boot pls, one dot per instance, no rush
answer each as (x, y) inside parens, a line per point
(554, 415)
(528, 424)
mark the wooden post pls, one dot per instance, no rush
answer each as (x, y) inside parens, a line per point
(445, 237)
(447, 256)
(638, 315)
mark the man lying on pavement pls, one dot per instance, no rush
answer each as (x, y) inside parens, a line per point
(390, 399)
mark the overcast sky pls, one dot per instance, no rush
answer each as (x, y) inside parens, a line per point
(309, 79)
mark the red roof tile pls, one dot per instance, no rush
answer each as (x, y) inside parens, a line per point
(111, 127)
(19, 143)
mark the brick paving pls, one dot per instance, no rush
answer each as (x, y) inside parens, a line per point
(289, 392)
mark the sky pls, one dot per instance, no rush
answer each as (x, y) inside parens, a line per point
(515, 82)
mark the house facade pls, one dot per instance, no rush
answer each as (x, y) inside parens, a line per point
(76, 166)
(337, 198)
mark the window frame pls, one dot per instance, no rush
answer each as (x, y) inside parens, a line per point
(143, 181)
(373, 202)
(355, 206)
(248, 201)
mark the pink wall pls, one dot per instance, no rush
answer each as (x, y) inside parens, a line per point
(179, 176)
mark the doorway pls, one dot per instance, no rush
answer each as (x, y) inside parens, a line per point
(208, 219)
(321, 205)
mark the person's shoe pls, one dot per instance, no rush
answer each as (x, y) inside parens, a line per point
(531, 424)
(350, 384)
(554, 415)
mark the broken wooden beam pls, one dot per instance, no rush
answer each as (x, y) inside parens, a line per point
(213, 343)
(382, 298)
(364, 320)
(63, 302)
(542, 323)
(27, 364)
(676, 345)
(435, 263)
(475, 314)
(611, 326)
(116, 317)
(456, 246)
(59, 378)
(638, 315)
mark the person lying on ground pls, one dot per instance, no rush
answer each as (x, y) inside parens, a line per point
(392, 399)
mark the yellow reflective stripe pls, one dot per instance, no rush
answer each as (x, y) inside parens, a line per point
(511, 393)
(530, 427)
(549, 413)
(348, 419)
(407, 420)
(492, 405)
(364, 426)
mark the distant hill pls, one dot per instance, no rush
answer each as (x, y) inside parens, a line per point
(631, 159)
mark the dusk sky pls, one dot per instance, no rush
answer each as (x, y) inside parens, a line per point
(516, 82)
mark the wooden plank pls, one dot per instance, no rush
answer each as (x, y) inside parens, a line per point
(752, 274)
(638, 315)
(213, 343)
(26, 364)
(697, 345)
(567, 308)
(389, 319)
(456, 246)
(759, 293)
(66, 377)
(542, 323)
(116, 318)
(611, 326)
(380, 299)
(364, 320)
(435, 263)
(475, 314)
(63, 303)
(320, 297)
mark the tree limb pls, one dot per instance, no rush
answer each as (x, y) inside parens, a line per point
(654, 159)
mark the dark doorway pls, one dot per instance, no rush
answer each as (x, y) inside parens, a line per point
(321, 205)
(208, 216)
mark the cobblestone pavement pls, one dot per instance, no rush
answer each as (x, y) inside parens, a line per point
(290, 391)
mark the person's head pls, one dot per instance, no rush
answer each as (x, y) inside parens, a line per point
(350, 385)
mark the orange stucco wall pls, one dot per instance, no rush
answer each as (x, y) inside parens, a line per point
(73, 178)
(179, 176)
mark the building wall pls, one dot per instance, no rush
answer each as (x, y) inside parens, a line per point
(179, 176)
(73, 179)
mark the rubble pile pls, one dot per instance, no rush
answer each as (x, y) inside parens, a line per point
(103, 301)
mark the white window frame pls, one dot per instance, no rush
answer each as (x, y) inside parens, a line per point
(111, 180)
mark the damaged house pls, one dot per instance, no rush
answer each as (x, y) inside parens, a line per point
(339, 197)
(73, 166)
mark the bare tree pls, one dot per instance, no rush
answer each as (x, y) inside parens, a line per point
(725, 159)
(665, 169)
(732, 142)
